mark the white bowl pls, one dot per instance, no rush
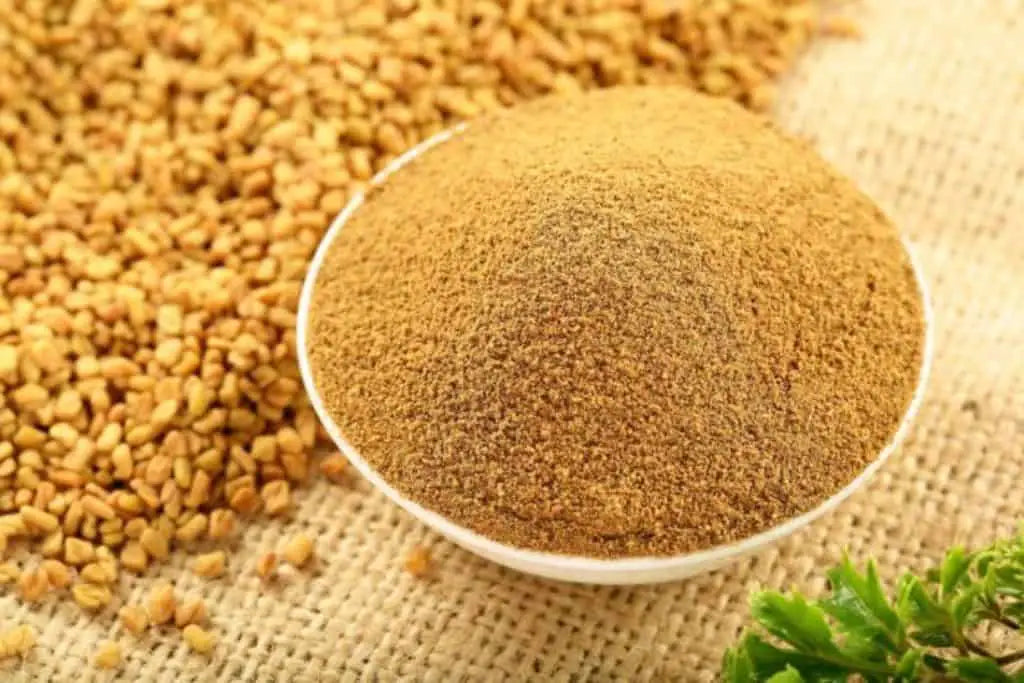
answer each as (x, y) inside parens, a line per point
(633, 570)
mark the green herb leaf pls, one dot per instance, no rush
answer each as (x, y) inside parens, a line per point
(964, 605)
(954, 570)
(737, 667)
(789, 675)
(862, 612)
(910, 666)
(1008, 580)
(768, 660)
(978, 670)
(917, 607)
(795, 621)
(858, 632)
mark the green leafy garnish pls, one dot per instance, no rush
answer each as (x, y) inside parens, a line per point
(960, 622)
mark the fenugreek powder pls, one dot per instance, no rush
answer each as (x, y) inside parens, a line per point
(639, 321)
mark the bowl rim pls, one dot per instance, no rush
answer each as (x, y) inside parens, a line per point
(481, 544)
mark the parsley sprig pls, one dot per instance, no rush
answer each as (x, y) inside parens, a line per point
(933, 628)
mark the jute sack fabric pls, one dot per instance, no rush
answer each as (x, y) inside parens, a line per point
(927, 113)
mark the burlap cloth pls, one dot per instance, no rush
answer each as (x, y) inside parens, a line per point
(927, 113)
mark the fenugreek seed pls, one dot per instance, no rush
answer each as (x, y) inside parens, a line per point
(52, 544)
(264, 448)
(33, 584)
(192, 530)
(133, 528)
(139, 434)
(39, 520)
(99, 573)
(298, 551)
(78, 552)
(161, 604)
(134, 557)
(158, 470)
(57, 573)
(30, 396)
(276, 497)
(8, 363)
(164, 413)
(155, 544)
(222, 524)
(182, 469)
(417, 562)
(90, 596)
(95, 506)
(210, 565)
(108, 656)
(190, 611)
(245, 500)
(335, 468)
(289, 441)
(198, 639)
(266, 565)
(17, 641)
(134, 619)
(9, 573)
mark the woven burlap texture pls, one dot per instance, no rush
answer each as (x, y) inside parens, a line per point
(927, 114)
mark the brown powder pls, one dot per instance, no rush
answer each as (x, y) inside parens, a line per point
(637, 321)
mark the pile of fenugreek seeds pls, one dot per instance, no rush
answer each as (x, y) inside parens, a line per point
(166, 171)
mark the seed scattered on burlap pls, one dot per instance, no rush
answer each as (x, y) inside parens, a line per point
(17, 641)
(108, 656)
(190, 611)
(335, 468)
(636, 321)
(266, 566)
(200, 640)
(134, 619)
(210, 565)
(298, 551)
(417, 562)
(161, 604)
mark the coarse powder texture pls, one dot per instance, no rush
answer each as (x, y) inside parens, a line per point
(631, 322)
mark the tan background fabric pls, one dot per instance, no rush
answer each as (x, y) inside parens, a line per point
(927, 113)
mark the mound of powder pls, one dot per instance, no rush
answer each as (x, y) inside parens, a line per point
(630, 322)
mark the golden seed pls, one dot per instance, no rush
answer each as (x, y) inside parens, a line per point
(57, 573)
(210, 565)
(90, 596)
(245, 500)
(161, 604)
(191, 611)
(33, 584)
(276, 497)
(134, 557)
(334, 467)
(99, 572)
(198, 639)
(52, 544)
(192, 530)
(8, 573)
(17, 641)
(39, 520)
(298, 550)
(417, 562)
(266, 565)
(108, 656)
(134, 619)
(222, 524)
(78, 552)
(95, 506)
